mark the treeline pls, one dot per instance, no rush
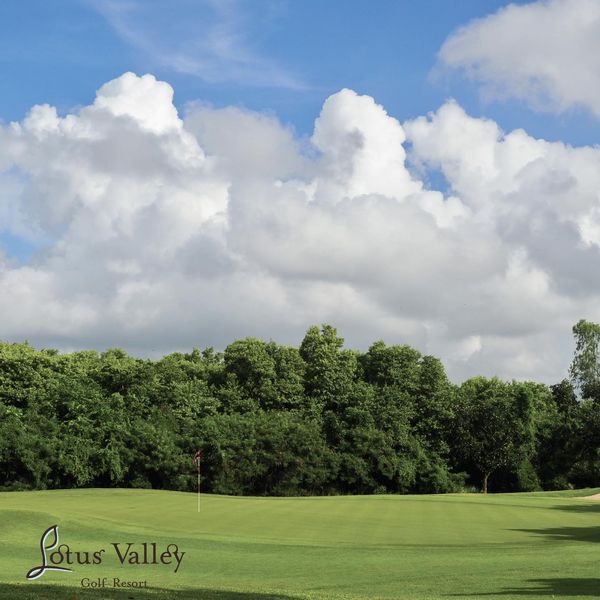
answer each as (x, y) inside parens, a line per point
(276, 420)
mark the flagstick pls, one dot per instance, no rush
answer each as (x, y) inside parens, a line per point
(198, 494)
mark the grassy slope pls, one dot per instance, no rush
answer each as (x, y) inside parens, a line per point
(452, 546)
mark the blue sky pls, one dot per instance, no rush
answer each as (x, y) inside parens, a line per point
(300, 52)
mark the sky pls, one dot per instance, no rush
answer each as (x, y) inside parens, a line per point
(183, 174)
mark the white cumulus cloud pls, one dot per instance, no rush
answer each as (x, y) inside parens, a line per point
(160, 233)
(546, 53)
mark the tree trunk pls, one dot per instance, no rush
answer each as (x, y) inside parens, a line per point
(485, 482)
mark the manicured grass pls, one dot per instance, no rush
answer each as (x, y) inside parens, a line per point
(417, 547)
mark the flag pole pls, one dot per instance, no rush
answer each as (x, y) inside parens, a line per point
(197, 459)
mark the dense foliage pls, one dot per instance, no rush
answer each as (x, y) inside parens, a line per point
(276, 420)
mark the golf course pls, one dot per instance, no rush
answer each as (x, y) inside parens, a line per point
(536, 545)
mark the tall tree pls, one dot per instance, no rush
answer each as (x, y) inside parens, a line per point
(585, 368)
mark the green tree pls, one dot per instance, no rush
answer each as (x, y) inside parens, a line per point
(330, 371)
(558, 437)
(251, 364)
(493, 425)
(397, 366)
(585, 368)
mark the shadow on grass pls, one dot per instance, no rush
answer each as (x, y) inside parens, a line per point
(573, 534)
(56, 592)
(563, 587)
(579, 507)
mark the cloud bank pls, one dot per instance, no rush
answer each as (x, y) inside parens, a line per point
(162, 233)
(545, 53)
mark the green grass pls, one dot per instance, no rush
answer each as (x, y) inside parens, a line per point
(540, 545)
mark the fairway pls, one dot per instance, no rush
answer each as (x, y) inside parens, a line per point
(539, 545)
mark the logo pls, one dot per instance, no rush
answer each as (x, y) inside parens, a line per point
(55, 555)
(48, 542)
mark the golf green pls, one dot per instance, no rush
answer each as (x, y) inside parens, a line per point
(539, 545)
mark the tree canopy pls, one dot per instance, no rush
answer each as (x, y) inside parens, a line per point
(278, 420)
